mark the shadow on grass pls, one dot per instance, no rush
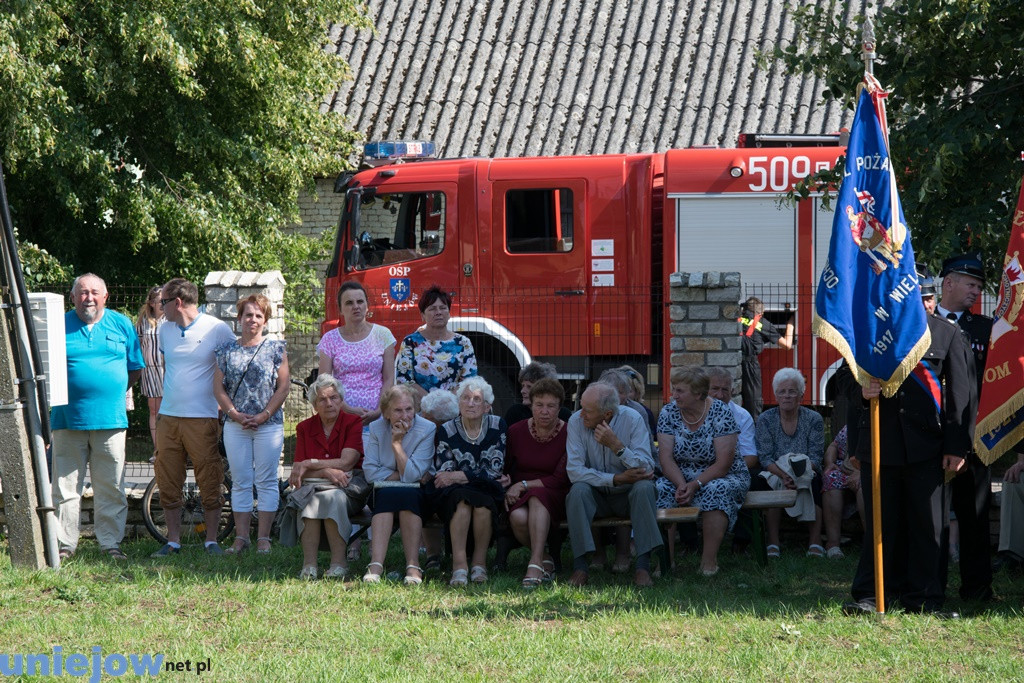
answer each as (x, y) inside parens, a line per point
(794, 586)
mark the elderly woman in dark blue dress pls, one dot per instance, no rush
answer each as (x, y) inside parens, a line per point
(469, 459)
(697, 448)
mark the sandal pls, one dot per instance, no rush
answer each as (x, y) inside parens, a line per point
(336, 571)
(458, 578)
(549, 574)
(530, 582)
(370, 577)
(478, 574)
(116, 553)
(355, 549)
(240, 545)
(308, 572)
(411, 580)
(834, 553)
(815, 550)
(773, 551)
(433, 562)
(263, 549)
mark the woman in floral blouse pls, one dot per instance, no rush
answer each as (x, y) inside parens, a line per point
(434, 357)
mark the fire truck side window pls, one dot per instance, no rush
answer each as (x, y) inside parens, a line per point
(400, 227)
(538, 221)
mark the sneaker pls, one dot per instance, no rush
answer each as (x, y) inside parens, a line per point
(214, 549)
(166, 550)
(65, 553)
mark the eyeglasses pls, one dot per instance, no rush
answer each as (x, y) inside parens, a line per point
(472, 400)
(164, 302)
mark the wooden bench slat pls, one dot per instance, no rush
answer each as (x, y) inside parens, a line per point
(762, 500)
(756, 500)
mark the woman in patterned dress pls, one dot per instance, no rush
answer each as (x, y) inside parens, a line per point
(360, 354)
(146, 325)
(469, 460)
(250, 383)
(697, 449)
(790, 428)
(434, 357)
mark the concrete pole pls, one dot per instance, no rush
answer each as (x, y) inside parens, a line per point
(25, 539)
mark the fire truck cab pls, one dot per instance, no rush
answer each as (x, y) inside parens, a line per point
(566, 259)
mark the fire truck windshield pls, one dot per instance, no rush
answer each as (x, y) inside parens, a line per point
(383, 229)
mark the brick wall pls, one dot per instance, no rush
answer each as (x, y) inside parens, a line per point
(318, 214)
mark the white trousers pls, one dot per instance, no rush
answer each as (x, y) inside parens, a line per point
(253, 456)
(103, 451)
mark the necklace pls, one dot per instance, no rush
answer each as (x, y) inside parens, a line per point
(697, 421)
(543, 439)
(479, 432)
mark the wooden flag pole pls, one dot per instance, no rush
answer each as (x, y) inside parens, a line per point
(876, 506)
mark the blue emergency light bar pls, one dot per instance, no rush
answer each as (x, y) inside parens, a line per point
(383, 151)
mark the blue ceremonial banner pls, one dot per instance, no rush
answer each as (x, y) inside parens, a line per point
(868, 302)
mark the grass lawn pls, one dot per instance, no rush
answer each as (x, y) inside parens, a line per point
(253, 620)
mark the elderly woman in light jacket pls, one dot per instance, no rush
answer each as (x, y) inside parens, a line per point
(398, 453)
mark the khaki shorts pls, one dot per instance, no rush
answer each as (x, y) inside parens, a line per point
(179, 439)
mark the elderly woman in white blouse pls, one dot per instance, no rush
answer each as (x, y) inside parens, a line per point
(398, 453)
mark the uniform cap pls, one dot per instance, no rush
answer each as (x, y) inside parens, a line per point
(924, 276)
(968, 264)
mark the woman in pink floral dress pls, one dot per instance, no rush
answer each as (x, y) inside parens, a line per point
(360, 354)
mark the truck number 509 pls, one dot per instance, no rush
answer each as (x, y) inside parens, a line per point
(779, 174)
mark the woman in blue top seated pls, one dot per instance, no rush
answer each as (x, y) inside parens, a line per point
(398, 451)
(787, 429)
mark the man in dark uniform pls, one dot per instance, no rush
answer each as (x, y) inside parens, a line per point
(923, 430)
(971, 490)
(755, 332)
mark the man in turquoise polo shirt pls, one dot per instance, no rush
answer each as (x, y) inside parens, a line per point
(104, 359)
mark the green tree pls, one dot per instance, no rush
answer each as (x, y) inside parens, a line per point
(147, 139)
(955, 69)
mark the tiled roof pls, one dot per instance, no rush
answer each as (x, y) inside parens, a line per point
(561, 77)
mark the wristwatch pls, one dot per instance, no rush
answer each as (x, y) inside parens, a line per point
(525, 484)
(618, 453)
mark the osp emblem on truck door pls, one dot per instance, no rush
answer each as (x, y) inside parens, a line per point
(399, 289)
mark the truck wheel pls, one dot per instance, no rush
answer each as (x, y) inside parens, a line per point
(506, 393)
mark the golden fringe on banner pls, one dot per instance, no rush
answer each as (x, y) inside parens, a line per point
(994, 420)
(824, 329)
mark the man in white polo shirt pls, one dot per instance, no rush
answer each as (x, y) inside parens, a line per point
(187, 426)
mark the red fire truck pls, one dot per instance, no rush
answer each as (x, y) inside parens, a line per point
(567, 259)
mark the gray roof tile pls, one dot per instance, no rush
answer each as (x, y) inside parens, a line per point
(574, 76)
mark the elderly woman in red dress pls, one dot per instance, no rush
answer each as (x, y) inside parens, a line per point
(536, 501)
(329, 484)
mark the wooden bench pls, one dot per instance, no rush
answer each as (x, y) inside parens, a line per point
(756, 501)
